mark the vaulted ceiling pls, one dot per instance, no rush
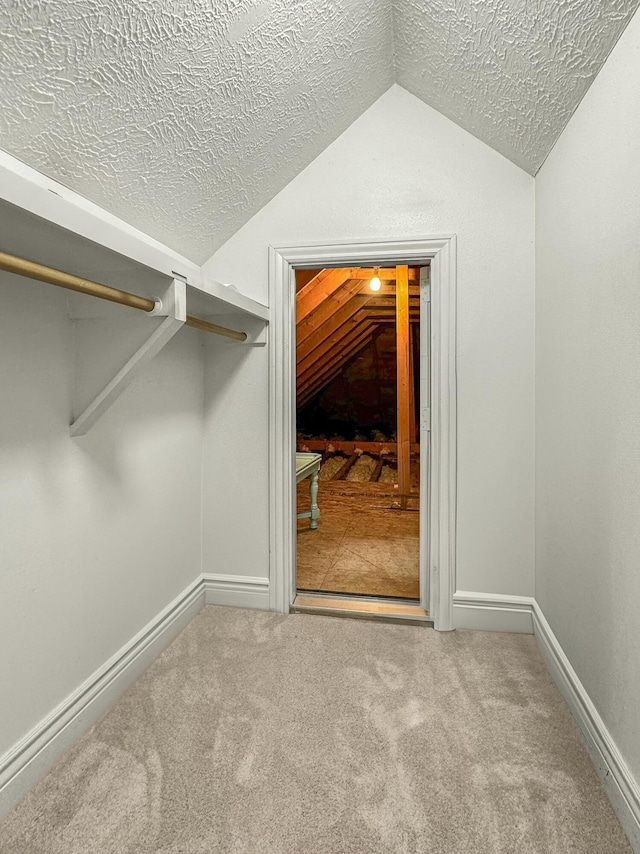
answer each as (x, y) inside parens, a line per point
(185, 118)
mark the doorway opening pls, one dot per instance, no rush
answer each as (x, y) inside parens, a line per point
(439, 488)
(362, 339)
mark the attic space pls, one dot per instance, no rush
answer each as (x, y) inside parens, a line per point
(358, 394)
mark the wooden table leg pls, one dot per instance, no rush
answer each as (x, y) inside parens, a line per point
(315, 510)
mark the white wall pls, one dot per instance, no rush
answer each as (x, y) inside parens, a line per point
(401, 170)
(97, 534)
(235, 499)
(588, 392)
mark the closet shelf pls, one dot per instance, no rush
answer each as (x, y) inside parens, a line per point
(46, 222)
(48, 225)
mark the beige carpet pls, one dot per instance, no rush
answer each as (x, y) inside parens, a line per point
(256, 732)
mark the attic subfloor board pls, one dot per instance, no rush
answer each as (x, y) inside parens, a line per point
(361, 545)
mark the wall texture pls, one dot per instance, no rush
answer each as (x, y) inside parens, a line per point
(97, 534)
(403, 170)
(588, 403)
(235, 489)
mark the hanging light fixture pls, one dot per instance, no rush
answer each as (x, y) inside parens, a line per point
(374, 284)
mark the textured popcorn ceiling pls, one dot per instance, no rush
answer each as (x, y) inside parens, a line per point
(185, 118)
(509, 71)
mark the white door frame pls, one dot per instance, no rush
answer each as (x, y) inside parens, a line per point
(437, 560)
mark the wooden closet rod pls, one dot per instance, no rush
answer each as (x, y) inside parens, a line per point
(14, 264)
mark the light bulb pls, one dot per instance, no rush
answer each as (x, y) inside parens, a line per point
(374, 284)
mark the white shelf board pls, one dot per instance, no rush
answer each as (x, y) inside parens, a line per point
(46, 222)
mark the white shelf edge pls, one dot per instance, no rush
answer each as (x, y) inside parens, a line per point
(233, 298)
(30, 190)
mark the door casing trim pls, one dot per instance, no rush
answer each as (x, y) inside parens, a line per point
(438, 548)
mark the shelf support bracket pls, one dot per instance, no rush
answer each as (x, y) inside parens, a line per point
(173, 307)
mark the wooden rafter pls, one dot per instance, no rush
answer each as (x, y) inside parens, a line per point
(327, 308)
(375, 305)
(322, 286)
(325, 357)
(310, 391)
(312, 383)
(350, 289)
(330, 332)
(329, 283)
(364, 335)
(330, 355)
(332, 343)
(338, 315)
(384, 273)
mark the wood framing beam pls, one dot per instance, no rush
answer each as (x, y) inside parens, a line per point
(332, 330)
(388, 273)
(375, 474)
(315, 386)
(321, 372)
(332, 344)
(328, 281)
(327, 308)
(306, 360)
(412, 387)
(337, 359)
(384, 313)
(403, 431)
(313, 383)
(349, 447)
(339, 355)
(344, 470)
(305, 397)
(386, 289)
(322, 286)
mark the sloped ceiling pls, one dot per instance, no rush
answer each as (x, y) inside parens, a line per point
(185, 118)
(509, 71)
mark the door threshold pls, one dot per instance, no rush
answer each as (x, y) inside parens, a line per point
(359, 608)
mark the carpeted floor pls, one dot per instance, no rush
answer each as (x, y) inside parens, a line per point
(257, 732)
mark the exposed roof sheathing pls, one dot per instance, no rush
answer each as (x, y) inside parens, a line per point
(185, 119)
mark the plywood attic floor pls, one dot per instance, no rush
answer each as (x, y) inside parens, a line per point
(361, 546)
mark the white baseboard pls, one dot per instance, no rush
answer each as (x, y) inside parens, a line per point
(28, 760)
(492, 612)
(618, 781)
(236, 591)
